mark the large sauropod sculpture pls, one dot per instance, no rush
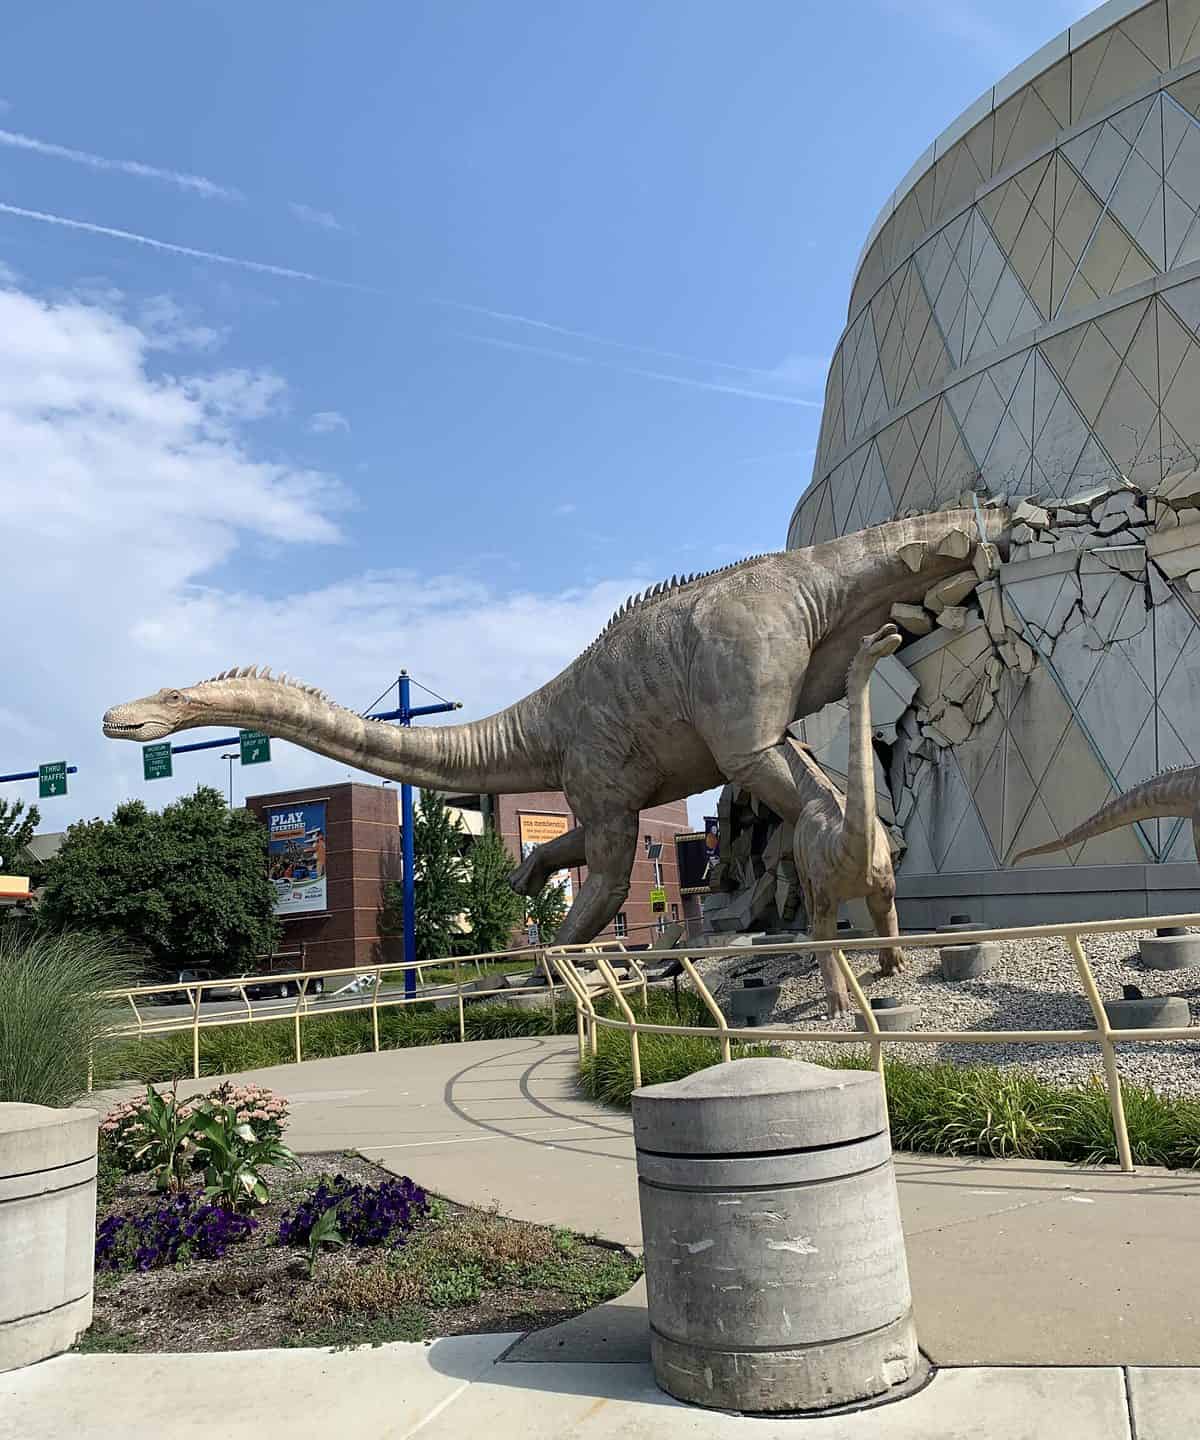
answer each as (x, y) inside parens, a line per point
(1174, 793)
(690, 684)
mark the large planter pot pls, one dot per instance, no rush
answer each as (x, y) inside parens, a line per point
(47, 1229)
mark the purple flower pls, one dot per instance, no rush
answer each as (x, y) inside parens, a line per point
(367, 1214)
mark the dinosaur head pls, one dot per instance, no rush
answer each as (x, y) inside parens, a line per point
(162, 713)
(885, 641)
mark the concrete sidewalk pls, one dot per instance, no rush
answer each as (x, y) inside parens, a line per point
(1012, 1262)
(455, 1388)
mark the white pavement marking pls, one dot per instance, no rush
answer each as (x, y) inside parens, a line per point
(478, 1139)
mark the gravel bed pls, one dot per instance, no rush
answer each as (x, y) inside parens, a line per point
(1033, 986)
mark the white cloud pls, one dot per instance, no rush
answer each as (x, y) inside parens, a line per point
(321, 218)
(566, 508)
(131, 490)
(42, 217)
(197, 184)
(324, 422)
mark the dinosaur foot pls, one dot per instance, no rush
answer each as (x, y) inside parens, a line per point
(885, 641)
(891, 962)
(527, 878)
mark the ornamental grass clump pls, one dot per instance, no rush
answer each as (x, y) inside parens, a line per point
(182, 1228)
(53, 1009)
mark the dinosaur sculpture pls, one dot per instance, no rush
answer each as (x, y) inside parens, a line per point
(690, 684)
(1173, 793)
(840, 847)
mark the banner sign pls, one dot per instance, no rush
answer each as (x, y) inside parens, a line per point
(535, 830)
(296, 842)
(712, 839)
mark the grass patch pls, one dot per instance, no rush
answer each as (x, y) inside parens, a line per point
(101, 1338)
(350, 1330)
(946, 1109)
(230, 1049)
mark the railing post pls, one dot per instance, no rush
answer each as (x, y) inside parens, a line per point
(635, 1052)
(196, 1033)
(864, 1005)
(296, 1026)
(375, 989)
(1115, 1099)
(462, 1018)
(711, 1006)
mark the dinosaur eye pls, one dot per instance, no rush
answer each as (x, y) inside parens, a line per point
(174, 697)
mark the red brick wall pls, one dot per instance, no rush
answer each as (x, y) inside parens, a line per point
(662, 823)
(362, 857)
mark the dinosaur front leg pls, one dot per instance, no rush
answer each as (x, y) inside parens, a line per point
(611, 846)
(882, 905)
(824, 927)
(561, 853)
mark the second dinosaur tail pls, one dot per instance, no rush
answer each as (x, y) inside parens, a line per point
(1176, 792)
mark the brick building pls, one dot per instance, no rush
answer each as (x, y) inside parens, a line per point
(531, 819)
(361, 843)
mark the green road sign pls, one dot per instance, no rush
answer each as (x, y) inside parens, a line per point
(52, 780)
(256, 747)
(156, 761)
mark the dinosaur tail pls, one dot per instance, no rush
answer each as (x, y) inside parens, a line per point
(1174, 793)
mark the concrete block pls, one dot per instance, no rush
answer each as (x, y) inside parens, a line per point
(776, 1277)
(969, 962)
(913, 555)
(1170, 952)
(953, 617)
(956, 543)
(913, 618)
(47, 1234)
(1155, 1012)
(953, 590)
(1030, 514)
(897, 1017)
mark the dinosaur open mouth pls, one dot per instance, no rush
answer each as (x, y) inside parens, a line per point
(112, 728)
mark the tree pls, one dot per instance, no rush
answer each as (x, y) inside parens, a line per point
(17, 825)
(547, 909)
(439, 882)
(493, 909)
(188, 886)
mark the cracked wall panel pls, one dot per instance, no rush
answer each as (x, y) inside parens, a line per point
(1039, 720)
(984, 752)
(1114, 709)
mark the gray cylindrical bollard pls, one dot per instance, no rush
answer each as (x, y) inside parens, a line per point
(968, 962)
(1170, 952)
(895, 1017)
(1152, 1012)
(775, 1266)
(47, 1229)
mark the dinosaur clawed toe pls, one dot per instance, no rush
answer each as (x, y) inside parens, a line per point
(885, 641)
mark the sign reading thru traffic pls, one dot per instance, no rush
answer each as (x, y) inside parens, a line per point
(52, 780)
(256, 747)
(156, 761)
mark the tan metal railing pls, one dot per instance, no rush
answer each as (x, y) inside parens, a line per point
(565, 960)
(373, 998)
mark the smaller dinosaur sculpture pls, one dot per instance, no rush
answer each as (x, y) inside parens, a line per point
(841, 848)
(1173, 793)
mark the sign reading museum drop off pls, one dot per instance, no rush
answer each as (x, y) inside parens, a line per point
(52, 779)
(256, 747)
(156, 761)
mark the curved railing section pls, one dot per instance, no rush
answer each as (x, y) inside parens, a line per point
(565, 960)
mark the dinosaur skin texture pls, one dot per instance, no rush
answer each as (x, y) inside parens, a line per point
(690, 685)
(1173, 793)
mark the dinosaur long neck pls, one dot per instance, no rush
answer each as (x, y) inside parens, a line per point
(500, 753)
(860, 766)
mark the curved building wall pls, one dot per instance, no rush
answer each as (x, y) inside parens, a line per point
(1025, 320)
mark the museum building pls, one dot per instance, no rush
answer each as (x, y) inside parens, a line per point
(1023, 322)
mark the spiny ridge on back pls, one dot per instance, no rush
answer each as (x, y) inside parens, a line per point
(670, 587)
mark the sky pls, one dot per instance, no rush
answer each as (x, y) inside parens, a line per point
(352, 338)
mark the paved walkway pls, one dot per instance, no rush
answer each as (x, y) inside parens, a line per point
(454, 1389)
(1053, 1299)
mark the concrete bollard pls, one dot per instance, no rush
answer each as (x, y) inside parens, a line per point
(775, 1267)
(968, 962)
(1170, 952)
(47, 1229)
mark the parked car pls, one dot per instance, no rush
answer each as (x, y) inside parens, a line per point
(284, 989)
(186, 996)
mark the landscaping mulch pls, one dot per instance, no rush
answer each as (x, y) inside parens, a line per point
(461, 1271)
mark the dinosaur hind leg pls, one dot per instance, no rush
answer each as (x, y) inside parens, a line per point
(561, 853)
(823, 922)
(611, 846)
(882, 905)
(768, 776)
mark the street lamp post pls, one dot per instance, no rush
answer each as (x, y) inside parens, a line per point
(231, 757)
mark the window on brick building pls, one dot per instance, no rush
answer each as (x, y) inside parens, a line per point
(620, 928)
(674, 912)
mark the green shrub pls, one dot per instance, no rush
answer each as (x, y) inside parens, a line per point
(51, 1010)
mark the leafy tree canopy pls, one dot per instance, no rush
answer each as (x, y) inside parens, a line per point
(493, 909)
(547, 910)
(188, 885)
(440, 882)
(17, 826)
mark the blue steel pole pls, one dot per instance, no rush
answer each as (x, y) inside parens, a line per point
(406, 841)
